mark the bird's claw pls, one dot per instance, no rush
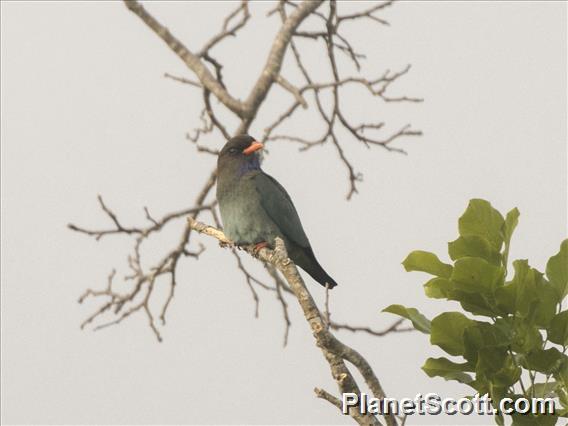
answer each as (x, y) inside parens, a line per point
(257, 247)
(225, 244)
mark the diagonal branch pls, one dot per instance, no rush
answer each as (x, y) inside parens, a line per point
(157, 225)
(191, 60)
(125, 304)
(368, 13)
(393, 328)
(274, 62)
(209, 78)
(227, 31)
(334, 351)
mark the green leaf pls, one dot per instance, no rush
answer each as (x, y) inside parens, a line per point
(438, 288)
(505, 325)
(562, 397)
(476, 275)
(511, 221)
(428, 262)
(523, 284)
(557, 271)
(474, 246)
(443, 367)
(447, 331)
(481, 335)
(516, 288)
(419, 321)
(506, 298)
(528, 295)
(481, 385)
(490, 359)
(498, 417)
(561, 412)
(497, 393)
(476, 303)
(482, 220)
(557, 331)
(488, 335)
(526, 338)
(562, 394)
(543, 390)
(547, 301)
(561, 375)
(533, 420)
(544, 361)
(508, 374)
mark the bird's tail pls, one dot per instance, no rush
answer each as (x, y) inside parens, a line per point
(324, 279)
(306, 260)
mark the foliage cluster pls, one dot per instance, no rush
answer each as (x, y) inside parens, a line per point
(516, 345)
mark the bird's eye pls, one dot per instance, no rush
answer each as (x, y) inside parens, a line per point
(233, 151)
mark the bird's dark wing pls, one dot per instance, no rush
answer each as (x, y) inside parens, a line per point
(278, 205)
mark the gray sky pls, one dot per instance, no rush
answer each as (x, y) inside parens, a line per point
(86, 111)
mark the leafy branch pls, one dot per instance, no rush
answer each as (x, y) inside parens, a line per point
(525, 333)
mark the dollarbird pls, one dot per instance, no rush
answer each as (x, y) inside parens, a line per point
(255, 208)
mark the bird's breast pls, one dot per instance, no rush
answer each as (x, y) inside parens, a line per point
(244, 219)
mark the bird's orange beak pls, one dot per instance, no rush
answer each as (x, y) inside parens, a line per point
(255, 146)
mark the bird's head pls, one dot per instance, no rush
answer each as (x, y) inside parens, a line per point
(240, 154)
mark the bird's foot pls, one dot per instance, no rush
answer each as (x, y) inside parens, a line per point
(226, 244)
(258, 246)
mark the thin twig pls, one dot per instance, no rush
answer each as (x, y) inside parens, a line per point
(334, 351)
(393, 328)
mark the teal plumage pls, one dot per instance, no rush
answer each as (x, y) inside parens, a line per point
(255, 208)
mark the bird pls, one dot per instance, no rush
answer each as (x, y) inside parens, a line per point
(255, 208)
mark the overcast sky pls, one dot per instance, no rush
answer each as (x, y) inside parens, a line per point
(86, 111)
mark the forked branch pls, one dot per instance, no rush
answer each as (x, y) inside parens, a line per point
(208, 71)
(334, 351)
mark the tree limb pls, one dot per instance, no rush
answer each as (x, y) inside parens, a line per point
(334, 351)
(276, 56)
(191, 60)
(209, 79)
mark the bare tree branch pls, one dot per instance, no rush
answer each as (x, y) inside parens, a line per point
(124, 304)
(377, 87)
(191, 60)
(183, 80)
(393, 328)
(145, 279)
(292, 89)
(227, 31)
(119, 229)
(368, 13)
(276, 56)
(320, 393)
(137, 290)
(334, 351)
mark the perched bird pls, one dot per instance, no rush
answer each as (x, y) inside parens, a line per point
(256, 209)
